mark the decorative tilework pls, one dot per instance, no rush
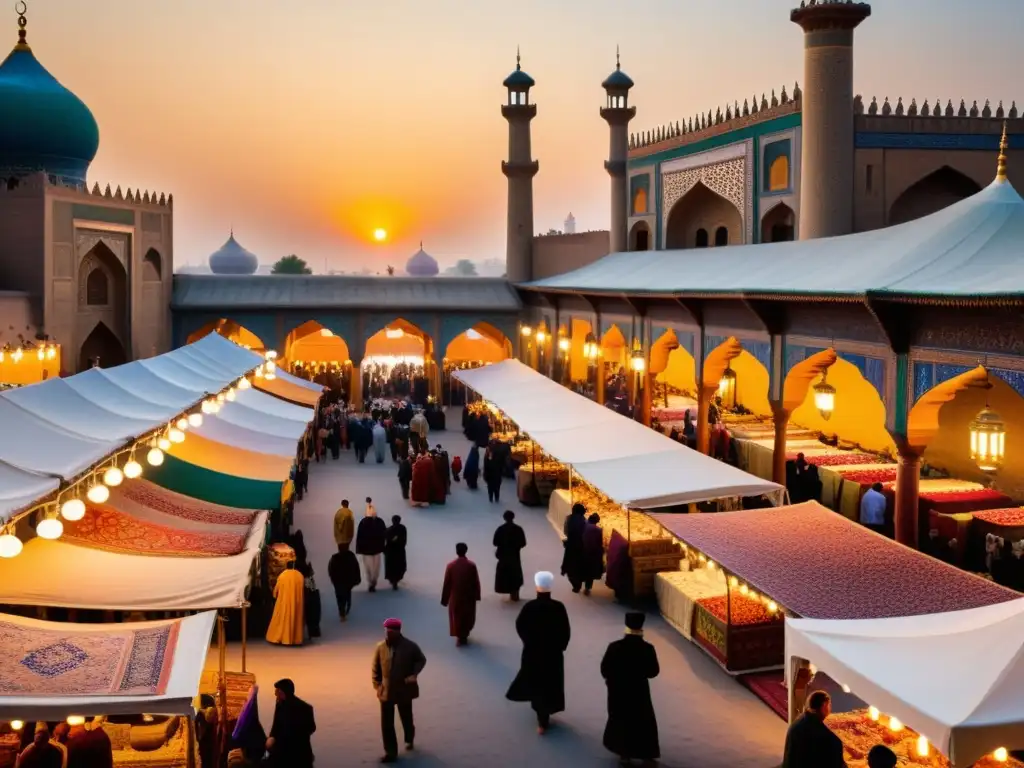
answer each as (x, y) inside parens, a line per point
(979, 142)
(760, 350)
(871, 368)
(147, 661)
(928, 375)
(924, 379)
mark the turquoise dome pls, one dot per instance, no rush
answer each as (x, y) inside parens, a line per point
(45, 126)
(617, 80)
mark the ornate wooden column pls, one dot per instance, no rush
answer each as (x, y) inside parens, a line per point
(704, 397)
(599, 381)
(908, 481)
(780, 419)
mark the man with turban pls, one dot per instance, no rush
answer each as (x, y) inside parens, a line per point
(289, 741)
(543, 626)
(627, 666)
(397, 663)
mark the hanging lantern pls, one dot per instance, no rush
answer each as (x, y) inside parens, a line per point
(113, 477)
(176, 436)
(727, 388)
(155, 457)
(825, 397)
(10, 546)
(636, 360)
(243, 383)
(49, 528)
(98, 493)
(163, 444)
(230, 395)
(564, 343)
(73, 509)
(527, 331)
(988, 440)
(195, 419)
(132, 469)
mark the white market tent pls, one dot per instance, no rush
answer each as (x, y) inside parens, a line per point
(310, 385)
(915, 669)
(53, 573)
(630, 463)
(188, 661)
(220, 431)
(18, 488)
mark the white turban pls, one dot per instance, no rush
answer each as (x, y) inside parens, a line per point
(544, 581)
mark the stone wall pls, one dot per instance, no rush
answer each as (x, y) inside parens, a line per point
(558, 254)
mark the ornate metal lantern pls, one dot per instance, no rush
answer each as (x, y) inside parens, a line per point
(825, 397)
(727, 388)
(636, 360)
(988, 440)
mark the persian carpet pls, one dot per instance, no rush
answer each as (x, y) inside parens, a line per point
(116, 661)
(114, 531)
(170, 503)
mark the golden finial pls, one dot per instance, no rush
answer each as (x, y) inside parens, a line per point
(1001, 160)
(21, 8)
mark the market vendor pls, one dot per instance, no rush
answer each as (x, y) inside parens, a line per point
(809, 742)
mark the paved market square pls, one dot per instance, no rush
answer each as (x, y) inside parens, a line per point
(705, 719)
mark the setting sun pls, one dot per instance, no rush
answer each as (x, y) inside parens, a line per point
(380, 234)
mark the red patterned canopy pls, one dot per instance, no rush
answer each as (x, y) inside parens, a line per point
(818, 564)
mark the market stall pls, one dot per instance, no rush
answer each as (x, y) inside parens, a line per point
(807, 561)
(912, 672)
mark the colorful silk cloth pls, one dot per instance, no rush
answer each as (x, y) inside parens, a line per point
(114, 531)
(147, 494)
(81, 662)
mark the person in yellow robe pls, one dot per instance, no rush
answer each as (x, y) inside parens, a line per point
(288, 622)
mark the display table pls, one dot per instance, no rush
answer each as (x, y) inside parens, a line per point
(677, 593)
(559, 509)
(536, 481)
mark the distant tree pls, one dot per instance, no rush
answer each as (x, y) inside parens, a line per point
(463, 268)
(391, 271)
(291, 265)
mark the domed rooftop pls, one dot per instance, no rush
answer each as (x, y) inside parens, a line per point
(45, 126)
(421, 264)
(518, 79)
(233, 259)
(617, 80)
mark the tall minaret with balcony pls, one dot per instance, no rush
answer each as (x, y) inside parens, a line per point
(520, 170)
(617, 113)
(826, 162)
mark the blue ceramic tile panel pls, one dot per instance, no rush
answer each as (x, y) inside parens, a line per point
(924, 379)
(794, 356)
(1014, 378)
(761, 350)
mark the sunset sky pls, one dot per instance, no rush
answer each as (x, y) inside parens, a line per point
(308, 124)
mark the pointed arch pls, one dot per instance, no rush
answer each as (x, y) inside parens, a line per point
(313, 342)
(937, 190)
(97, 287)
(481, 342)
(923, 419)
(102, 281)
(778, 225)
(640, 237)
(152, 266)
(231, 330)
(399, 338)
(101, 347)
(701, 209)
(721, 236)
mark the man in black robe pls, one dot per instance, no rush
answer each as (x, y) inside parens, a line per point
(288, 744)
(543, 626)
(42, 752)
(573, 563)
(809, 742)
(509, 541)
(627, 666)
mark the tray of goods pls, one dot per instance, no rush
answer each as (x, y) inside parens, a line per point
(755, 639)
(859, 733)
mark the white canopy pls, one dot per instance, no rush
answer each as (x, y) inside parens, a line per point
(261, 421)
(310, 385)
(19, 489)
(915, 668)
(221, 431)
(186, 668)
(97, 387)
(52, 573)
(275, 406)
(632, 464)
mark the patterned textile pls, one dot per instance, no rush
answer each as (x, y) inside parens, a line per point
(114, 531)
(839, 459)
(170, 503)
(114, 661)
(820, 565)
(966, 495)
(1010, 516)
(871, 476)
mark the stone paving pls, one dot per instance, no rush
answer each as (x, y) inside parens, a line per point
(705, 719)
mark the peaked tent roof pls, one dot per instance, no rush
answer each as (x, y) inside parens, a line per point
(914, 668)
(972, 248)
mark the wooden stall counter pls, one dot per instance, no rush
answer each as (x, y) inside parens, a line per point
(746, 639)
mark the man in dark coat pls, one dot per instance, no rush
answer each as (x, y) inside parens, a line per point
(593, 552)
(573, 565)
(809, 742)
(343, 570)
(493, 474)
(371, 536)
(472, 470)
(509, 541)
(404, 475)
(89, 748)
(460, 593)
(543, 626)
(397, 663)
(41, 753)
(627, 666)
(288, 743)
(394, 551)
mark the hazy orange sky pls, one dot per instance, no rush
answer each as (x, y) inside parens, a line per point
(307, 124)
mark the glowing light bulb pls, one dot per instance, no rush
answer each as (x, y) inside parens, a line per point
(220, 398)
(155, 457)
(772, 606)
(744, 589)
(17, 355)
(49, 528)
(846, 688)
(206, 406)
(271, 366)
(113, 477)
(733, 581)
(97, 493)
(1001, 755)
(17, 725)
(922, 746)
(10, 546)
(873, 713)
(230, 395)
(51, 353)
(814, 670)
(195, 419)
(711, 565)
(163, 444)
(176, 436)
(74, 720)
(72, 509)
(895, 725)
(132, 469)
(40, 353)
(182, 424)
(271, 354)
(270, 376)
(243, 383)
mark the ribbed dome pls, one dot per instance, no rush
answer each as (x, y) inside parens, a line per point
(421, 264)
(233, 259)
(45, 126)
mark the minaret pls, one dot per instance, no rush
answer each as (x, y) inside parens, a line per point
(826, 163)
(520, 170)
(617, 113)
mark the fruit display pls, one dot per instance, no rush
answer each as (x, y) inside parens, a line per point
(636, 527)
(746, 610)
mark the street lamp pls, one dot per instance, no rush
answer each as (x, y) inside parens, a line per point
(824, 397)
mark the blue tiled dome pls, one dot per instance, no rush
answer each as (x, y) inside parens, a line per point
(45, 127)
(618, 79)
(233, 259)
(421, 264)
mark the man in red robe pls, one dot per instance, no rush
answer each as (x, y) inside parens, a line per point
(422, 480)
(438, 489)
(460, 594)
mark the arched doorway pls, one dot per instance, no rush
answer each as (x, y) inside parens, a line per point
(314, 352)
(699, 210)
(675, 382)
(483, 344)
(398, 363)
(103, 295)
(778, 225)
(934, 192)
(231, 331)
(640, 237)
(101, 348)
